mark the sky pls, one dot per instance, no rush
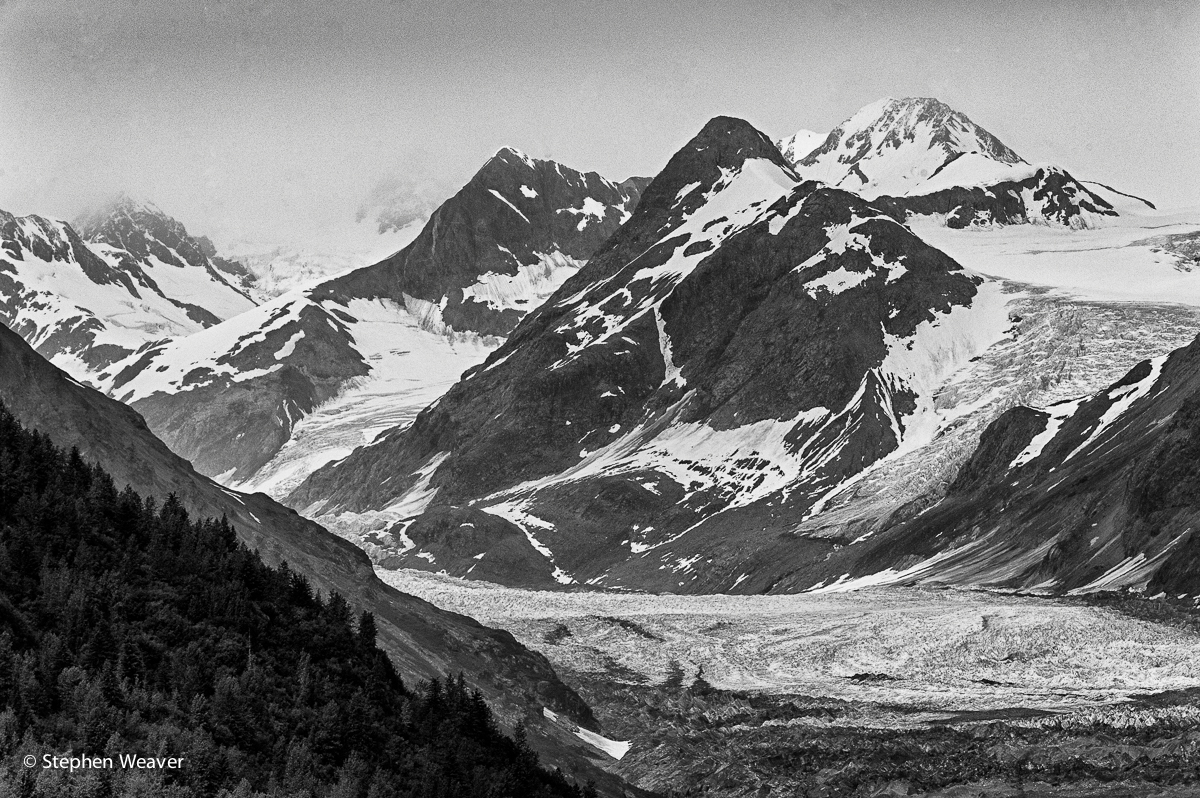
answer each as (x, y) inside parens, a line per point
(272, 119)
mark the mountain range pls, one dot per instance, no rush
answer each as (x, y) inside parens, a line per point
(742, 343)
(729, 377)
(731, 394)
(386, 339)
(894, 354)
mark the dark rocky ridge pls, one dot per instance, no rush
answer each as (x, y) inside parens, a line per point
(234, 271)
(421, 639)
(493, 225)
(1133, 197)
(1063, 200)
(751, 339)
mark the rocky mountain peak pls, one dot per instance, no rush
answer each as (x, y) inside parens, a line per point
(923, 123)
(727, 142)
(526, 222)
(722, 146)
(507, 161)
(511, 155)
(136, 235)
(122, 210)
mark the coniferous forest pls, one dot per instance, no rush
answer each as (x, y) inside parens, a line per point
(127, 627)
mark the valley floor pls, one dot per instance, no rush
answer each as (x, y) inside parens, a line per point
(941, 651)
(846, 693)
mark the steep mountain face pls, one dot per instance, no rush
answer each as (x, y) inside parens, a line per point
(382, 341)
(422, 640)
(919, 156)
(1100, 492)
(85, 301)
(231, 393)
(137, 237)
(493, 250)
(744, 343)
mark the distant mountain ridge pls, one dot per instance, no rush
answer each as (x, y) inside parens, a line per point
(730, 378)
(86, 301)
(137, 235)
(920, 156)
(397, 332)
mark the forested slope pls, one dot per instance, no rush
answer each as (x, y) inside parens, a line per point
(131, 628)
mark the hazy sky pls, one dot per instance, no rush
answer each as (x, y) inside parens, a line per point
(273, 116)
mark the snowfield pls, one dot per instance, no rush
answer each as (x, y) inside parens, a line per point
(936, 650)
(1112, 263)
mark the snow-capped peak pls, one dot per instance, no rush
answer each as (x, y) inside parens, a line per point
(86, 302)
(158, 253)
(892, 146)
(122, 205)
(797, 146)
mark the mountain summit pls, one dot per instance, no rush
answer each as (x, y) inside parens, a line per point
(490, 253)
(137, 236)
(893, 146)
(800, 144)
(919, 156)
